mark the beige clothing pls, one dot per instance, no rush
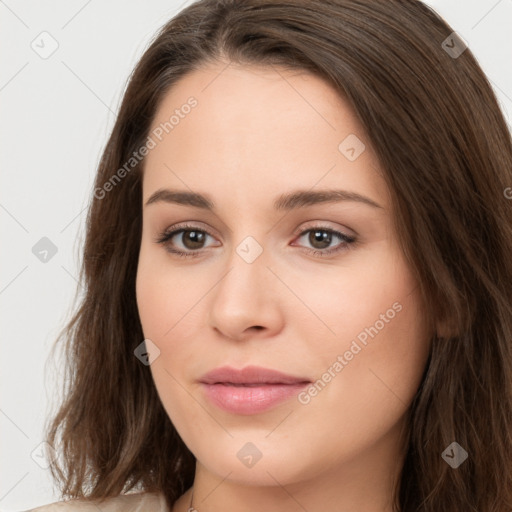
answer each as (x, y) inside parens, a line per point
(135, 502)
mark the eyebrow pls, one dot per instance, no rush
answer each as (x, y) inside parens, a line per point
(288, 201)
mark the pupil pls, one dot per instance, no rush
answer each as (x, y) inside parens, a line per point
(322, 237)
(196, 238)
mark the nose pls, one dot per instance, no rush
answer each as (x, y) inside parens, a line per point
(246, 300)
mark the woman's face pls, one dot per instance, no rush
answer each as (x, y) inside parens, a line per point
(269, 283)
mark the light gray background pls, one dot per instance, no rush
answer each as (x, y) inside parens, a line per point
(56, 116)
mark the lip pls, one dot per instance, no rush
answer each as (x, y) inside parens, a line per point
(249, 375)
(250, 390)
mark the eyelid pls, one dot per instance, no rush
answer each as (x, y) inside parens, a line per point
(192, 225)
(312, 224)
(321, 224)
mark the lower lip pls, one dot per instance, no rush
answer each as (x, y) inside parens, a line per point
(250, 399)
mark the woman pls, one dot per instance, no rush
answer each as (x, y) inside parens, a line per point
(298, 272)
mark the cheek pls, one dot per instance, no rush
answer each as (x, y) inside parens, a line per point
(381, 366)
(165, 310)
(339, 302)
(366, 396)
(172, 313)
(149, 292)
(372, 366)
(387, 356)
(166, 298)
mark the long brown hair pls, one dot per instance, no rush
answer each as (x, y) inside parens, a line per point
(436, 126)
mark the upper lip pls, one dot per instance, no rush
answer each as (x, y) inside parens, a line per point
(249, 375)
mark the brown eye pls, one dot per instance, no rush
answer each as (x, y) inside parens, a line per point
(188, 241)
(320, 237)
(184, 241)
(193, 239)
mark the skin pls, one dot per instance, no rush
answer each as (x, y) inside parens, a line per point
(258, 132)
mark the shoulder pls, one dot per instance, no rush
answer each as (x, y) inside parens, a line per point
(135, 502)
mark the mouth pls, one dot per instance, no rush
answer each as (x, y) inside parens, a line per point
(250, 390)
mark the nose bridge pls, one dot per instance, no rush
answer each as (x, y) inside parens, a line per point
(250, 239)
(247, 262)
(245, 296)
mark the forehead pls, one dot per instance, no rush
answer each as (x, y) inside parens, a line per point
(258, 129)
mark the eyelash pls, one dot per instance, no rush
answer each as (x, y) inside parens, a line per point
(348, 242)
